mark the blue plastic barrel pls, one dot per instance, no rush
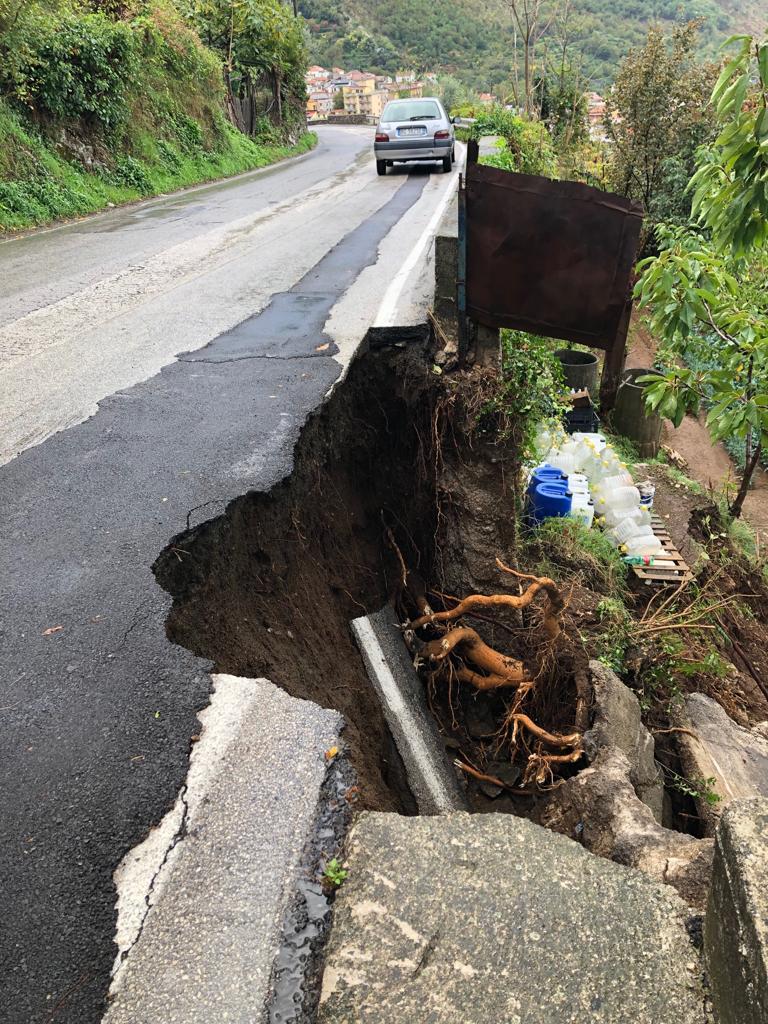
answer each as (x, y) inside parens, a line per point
(550, 499)
(544, 475)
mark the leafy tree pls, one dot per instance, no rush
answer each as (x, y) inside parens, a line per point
(563, 106)
(259, 41)
(655, 114)
(532, 20)
(706, 292)
(731, 185)
(453, 92)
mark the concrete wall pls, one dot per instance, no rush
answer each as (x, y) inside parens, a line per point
(446, 272)
(736, 924)
(344, 119)
(483, 341)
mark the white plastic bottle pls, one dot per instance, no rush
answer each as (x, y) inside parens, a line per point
(603, 464)
(582, 508)
(643, 545)
(628, 529)
(614, 516)
(618, 498)
(578, 482)
(596, 440)
(563, 460)
(620, 479)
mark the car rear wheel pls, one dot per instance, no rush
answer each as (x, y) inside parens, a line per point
(446, 164)
(453, 156)
(381, 166)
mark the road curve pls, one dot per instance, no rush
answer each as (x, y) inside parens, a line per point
(158, 361)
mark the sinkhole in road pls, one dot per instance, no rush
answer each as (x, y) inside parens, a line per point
(396, 473)
(269, 588)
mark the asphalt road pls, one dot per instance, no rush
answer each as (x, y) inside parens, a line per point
(157, 362)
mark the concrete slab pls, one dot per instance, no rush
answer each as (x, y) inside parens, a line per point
(736, 925)
(617, 722)
(431, 778)
(734, 757)
(489, 919)
(213, 908)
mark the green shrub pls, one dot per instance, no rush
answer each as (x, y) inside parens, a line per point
(131, 172)
(531, 388)
(559, 546)
(76, 67)
(524, 146)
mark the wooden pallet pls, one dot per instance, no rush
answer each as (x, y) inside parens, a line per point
(673, 569)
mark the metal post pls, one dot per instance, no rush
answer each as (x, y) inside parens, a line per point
(613, 366)
(461, 276)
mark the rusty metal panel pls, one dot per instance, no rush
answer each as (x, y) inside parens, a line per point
(549, 257)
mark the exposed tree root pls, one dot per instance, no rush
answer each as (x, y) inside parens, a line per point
(509, 671)
(459, 655)
(517, 720)
(550, 624)
(539, 767)
(489, 682)
(555, 603)
(480, 776)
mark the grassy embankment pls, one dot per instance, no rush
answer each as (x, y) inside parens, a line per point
(152, 119)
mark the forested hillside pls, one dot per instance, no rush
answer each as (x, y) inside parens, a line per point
(474, 39)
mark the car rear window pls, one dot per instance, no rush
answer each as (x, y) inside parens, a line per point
(410, 110)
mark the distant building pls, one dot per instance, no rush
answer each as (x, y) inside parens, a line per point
(407, 90)
(337, 83)
(316, 78)
(596, 115)
(487, 99)
(362, 96)
(319, 105)
(362, 92)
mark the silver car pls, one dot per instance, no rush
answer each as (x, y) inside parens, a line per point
(414, 130)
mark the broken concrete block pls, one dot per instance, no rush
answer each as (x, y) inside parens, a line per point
(736, 924)
(489, 919)
(600, 809)
(613, 807)
(617, 722)
(736, 758)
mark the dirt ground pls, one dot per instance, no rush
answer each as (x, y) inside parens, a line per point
(709, 464)
(740, 695)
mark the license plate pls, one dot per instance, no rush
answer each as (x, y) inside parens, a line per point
(413, 131)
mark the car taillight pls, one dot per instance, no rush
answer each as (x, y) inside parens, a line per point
(382, 137)
(442, 134)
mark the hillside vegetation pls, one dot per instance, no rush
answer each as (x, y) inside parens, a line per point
(475, 40)
(101, 106)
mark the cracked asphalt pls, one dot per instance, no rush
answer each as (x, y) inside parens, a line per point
(113, 445)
